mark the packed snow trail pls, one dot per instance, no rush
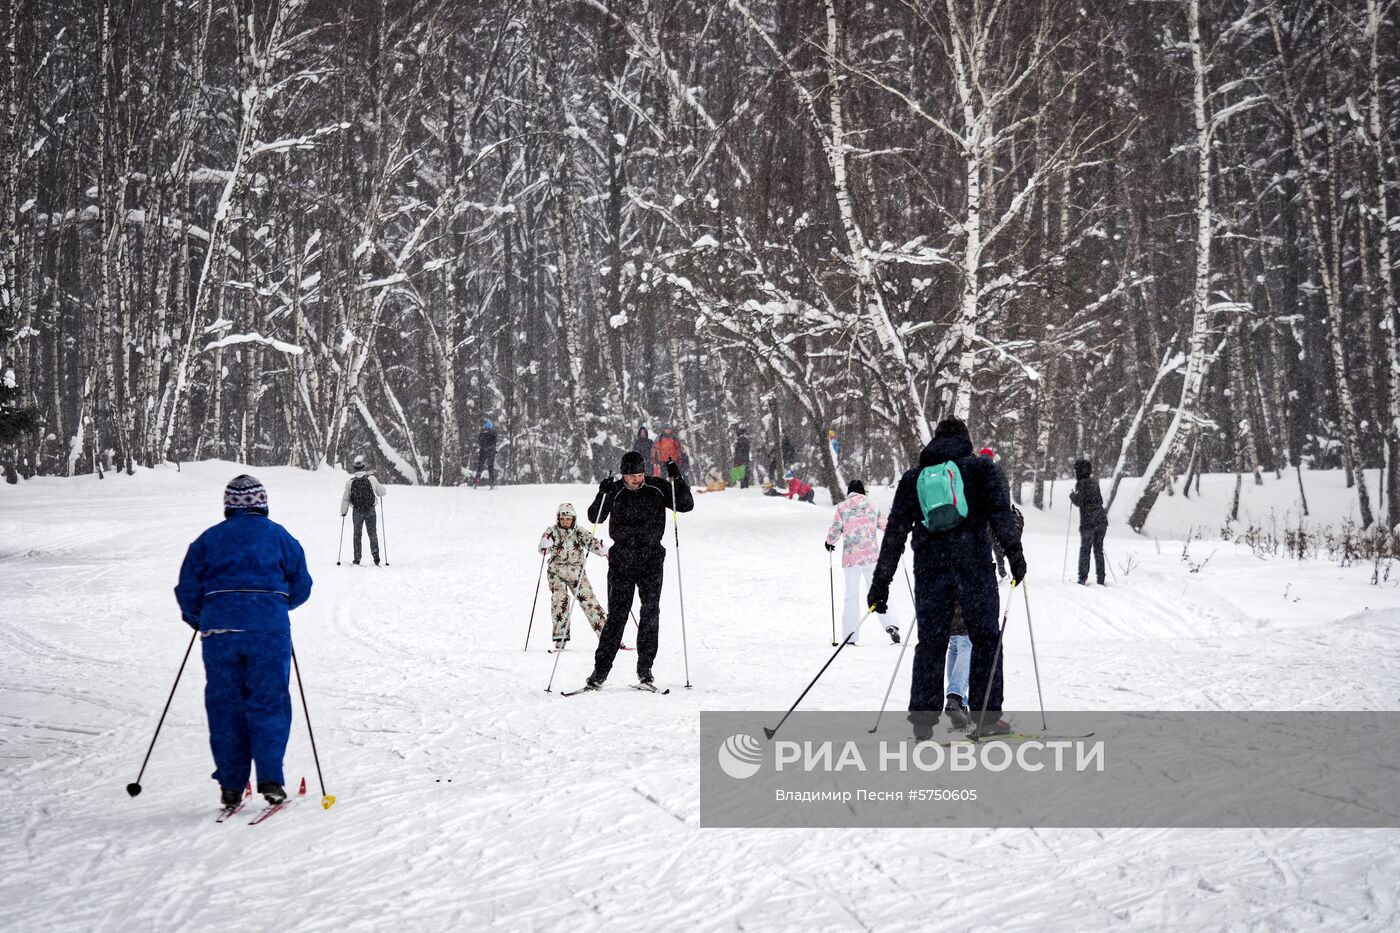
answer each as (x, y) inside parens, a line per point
(469, 798)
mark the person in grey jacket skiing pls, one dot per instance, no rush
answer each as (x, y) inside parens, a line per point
(568, 548)
(362, 493)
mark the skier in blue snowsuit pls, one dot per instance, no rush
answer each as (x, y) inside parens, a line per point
(239, 581)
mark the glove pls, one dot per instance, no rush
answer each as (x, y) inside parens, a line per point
(830, 546)
(1018, 566)
(879, 596)
(606, 485)
(672, 470)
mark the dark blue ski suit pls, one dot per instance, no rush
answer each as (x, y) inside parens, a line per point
(952, 569)
(237, 585)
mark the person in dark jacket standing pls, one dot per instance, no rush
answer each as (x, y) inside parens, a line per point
(643, 444)
(739, 473)
(362, 493)
(1093, 519)
(997, 552)
(952, 568)
(239, 581)
(636, 505)
(486, 453)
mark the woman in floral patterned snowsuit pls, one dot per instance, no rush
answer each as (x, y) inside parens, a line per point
(859, 523)
(567, 548)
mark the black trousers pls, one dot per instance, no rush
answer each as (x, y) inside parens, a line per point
(1091, 538)
(631, 573)
(937, 593)
(486, 460)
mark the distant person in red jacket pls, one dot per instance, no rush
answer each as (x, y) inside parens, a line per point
(667, 447)
(796, 489)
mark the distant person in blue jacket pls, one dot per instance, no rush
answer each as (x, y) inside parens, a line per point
(239, 581)
(486, 453)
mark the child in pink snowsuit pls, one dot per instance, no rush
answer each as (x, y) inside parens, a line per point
(859, 523)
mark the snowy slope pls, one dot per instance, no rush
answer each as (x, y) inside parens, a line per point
(469, 798)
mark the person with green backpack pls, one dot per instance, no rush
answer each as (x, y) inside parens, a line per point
(947, 505)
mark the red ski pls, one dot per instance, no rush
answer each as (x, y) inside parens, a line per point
(227, 812)
(268, 811)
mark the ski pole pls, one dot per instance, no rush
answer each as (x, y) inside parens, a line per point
(327, 800)
(1034, 661)
(844, 642)
(831, 578)
(996, 657)
(1064, 565)
(384, 526)
(680, 587)
(134, 787)
(340, 548)
(899, 661)
(535, 605)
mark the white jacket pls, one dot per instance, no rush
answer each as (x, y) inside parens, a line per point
(379, 489)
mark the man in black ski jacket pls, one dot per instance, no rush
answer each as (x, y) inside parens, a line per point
(952, 568)
(486, 453)
(637, 505)
(642, 444)
(1093, 519)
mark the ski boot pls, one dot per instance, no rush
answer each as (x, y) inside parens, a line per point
(893, 632)
(230, 797)
(957, 713)
(993, 728)
(272, 792)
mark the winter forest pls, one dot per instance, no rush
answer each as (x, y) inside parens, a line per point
(1159, 234)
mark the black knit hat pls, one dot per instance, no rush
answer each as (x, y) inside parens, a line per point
(952, 427)
(1083, 469)
(856, 487)
(244, 494)
(632, 462)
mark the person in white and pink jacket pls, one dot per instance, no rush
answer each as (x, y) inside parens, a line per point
(859, 523)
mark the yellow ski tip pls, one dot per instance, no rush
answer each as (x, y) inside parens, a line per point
(327, 801)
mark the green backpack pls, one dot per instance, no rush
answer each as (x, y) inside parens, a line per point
(941, 497)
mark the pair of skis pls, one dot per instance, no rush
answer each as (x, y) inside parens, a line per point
(226, 812)
(646, 688)
(264, 813)
(1011, 737)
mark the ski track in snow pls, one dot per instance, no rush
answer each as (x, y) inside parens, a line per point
(468, 797)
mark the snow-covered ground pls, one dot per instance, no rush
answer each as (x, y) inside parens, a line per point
(469, 798)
